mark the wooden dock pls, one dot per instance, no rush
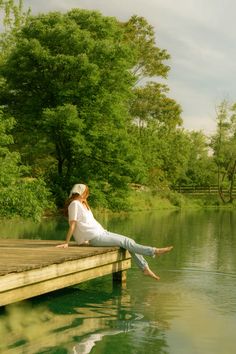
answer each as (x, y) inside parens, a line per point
(30, 268)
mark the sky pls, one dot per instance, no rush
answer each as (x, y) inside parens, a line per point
(200, 36)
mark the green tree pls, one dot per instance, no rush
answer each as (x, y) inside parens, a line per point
(69, 84)
(79, 59)
(19, 195)
(149, 60)
(200, 166)
(156, 117)
(152, 105)
(13, 17)
(64, 128)
(224, 147)
(9, 161)
(157, 122)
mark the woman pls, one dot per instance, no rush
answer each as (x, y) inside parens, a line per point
(85, 229)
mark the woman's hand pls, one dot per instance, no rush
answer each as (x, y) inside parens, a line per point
(68, 235)
(63, 245)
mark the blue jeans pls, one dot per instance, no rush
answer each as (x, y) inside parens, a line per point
(137, 251)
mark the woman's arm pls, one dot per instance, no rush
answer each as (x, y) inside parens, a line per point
(68, 235)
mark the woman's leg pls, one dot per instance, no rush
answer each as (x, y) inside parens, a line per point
(113, 239)
(136, 250)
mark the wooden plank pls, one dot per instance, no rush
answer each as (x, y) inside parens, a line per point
(20, 259)
(14, 280)
(19, 242)
(34, 267)
(46, 286)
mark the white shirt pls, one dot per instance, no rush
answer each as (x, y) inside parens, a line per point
(87, 226)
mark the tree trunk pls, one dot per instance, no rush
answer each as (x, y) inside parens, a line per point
(220, 192)
(232, 183)
(60, 160)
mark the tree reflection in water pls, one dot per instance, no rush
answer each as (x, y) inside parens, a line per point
(70, 321)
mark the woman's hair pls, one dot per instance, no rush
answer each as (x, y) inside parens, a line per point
(74, 196)
(68, 201)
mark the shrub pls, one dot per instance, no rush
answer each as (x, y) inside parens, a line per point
(175, 198)
(27, 199)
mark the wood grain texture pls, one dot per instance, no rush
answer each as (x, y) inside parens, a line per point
(34, 267)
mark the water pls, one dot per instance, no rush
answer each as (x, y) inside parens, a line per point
(192, 310)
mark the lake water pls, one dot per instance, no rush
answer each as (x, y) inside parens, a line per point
(192, 310)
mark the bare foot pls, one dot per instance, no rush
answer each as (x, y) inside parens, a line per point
(147, 271)
(160, 251)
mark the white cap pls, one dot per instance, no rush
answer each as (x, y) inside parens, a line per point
(78, 188)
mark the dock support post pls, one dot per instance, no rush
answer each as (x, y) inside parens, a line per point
(119, 279)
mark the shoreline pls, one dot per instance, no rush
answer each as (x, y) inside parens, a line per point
(140, 201)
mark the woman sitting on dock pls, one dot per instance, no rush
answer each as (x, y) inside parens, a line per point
(85, 229)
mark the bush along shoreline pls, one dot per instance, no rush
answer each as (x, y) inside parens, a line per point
(32, 200)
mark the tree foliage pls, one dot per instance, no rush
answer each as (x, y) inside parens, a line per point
(149, 60)
(224, 147)
(79, 59)
(200, 166)
(9, 161)
(157, 120)
(18, 195)
(13, 18)
(87, 105)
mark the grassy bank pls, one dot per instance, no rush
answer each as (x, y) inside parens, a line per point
(143, 200)
(147, 200)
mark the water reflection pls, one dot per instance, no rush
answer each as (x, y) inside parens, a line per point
(192, 309)
(48, 229)
(87, 344)
(74, 320)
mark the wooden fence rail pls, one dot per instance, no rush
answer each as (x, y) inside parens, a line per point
(200, 189)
